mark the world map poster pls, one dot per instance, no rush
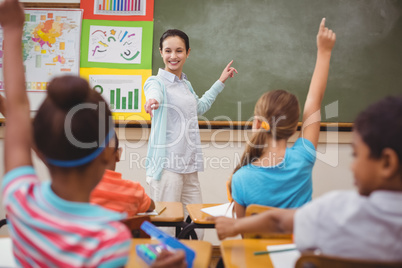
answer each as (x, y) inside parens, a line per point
(51, 47)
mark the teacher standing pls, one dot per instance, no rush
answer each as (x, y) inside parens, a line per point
(174, 155)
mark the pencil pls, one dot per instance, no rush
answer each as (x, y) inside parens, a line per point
(159, 212)
(272, 251)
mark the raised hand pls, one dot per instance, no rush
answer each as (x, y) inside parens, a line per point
(311, 114)
(227, 72)
(11, 15)
(325, 38)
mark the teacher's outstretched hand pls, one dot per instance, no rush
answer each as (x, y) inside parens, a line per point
(150, 105)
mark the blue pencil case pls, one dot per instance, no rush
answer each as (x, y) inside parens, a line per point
(149, 252)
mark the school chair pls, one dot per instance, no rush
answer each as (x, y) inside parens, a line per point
(256, 209)
(228, 191)
(196, 219)
(134, 224)
(312, 260)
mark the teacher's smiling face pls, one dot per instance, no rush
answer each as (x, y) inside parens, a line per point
(174, 54)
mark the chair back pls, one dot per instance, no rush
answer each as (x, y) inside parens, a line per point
(134, 224)
(256, 209)
(311, 260)
(228, 191)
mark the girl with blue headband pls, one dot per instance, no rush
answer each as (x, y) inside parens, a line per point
(51, 223)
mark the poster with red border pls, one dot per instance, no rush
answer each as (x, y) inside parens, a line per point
(120, 10)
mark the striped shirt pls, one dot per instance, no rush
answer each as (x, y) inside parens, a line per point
(114, 193)
(48, 231)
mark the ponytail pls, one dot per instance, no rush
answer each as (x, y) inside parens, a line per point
(279, 112)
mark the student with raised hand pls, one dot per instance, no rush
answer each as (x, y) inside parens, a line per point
(364, 225)
(174, 156)
(52, 224)
(270, 173)
(115, 193)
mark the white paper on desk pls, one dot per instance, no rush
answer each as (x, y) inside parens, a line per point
(151, 213)
(6, 253)
(284, 259)
(221, 210)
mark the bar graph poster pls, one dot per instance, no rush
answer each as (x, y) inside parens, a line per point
(123, 10)
(122, 89)
(122, 92)
(117, 44)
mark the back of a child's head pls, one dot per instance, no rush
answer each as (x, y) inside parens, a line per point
(380, 126)
(72, 122)
(279, 109)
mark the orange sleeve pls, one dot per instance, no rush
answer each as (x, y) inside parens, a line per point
(144, 201)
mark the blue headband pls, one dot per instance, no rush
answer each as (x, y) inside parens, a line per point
(85, 159)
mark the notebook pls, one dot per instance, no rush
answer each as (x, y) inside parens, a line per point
(284, 259)
(221, 210)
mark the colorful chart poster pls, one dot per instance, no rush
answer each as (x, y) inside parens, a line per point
(122, 10)
(115, 44)
(120, 7)
(51, 47)
(122, 90)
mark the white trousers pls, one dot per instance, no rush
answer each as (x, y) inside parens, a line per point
(175, 187)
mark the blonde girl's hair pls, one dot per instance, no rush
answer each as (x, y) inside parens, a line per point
(280, 109)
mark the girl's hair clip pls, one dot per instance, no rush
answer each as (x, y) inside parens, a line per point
(266, 126)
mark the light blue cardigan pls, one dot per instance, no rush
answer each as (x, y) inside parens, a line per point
(154, 88)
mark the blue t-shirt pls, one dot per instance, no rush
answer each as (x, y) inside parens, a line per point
(286, 185)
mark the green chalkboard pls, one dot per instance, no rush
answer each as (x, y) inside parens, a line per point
(273, 43)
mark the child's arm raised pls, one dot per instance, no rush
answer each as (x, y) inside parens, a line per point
(18, 133)
(270, 221)
(312, 107)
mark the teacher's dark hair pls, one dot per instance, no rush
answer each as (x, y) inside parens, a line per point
(175, 32)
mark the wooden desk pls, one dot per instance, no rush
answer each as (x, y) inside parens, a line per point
(197, 216)
(198, 219)
(172, 213)
(240, 253)
(172, 216)
(203, 251)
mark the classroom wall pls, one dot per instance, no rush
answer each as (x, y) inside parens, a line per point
(221, 149)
